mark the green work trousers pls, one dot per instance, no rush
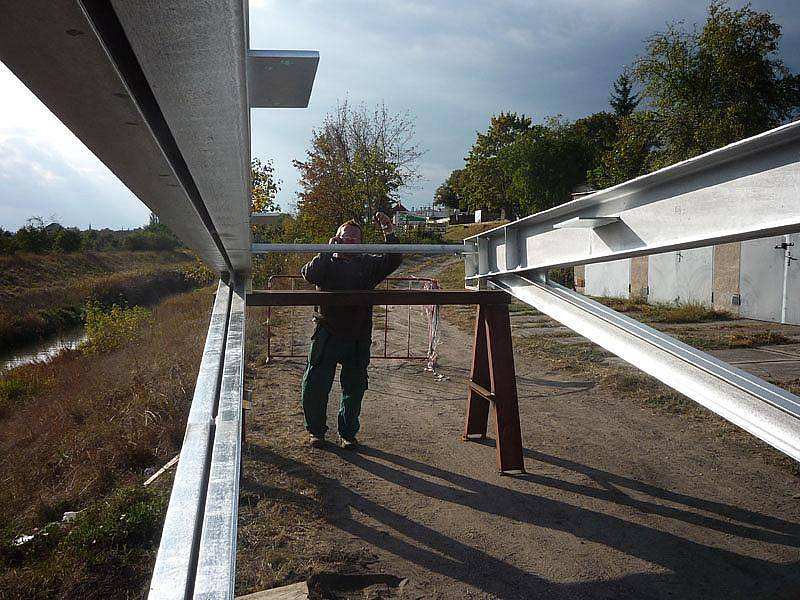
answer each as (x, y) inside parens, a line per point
(328, 350)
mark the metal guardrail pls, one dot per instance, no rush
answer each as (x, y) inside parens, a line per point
(197, 553)
(743, 191)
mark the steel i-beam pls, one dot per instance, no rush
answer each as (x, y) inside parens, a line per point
(745, 190)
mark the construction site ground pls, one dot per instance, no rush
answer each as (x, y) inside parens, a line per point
(631, 491)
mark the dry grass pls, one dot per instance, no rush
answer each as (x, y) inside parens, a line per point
(457, 233)
(666, 313)
(40, 295)
(89, 427)
(725, 341)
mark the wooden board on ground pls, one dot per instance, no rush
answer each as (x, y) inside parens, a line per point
(296, 591)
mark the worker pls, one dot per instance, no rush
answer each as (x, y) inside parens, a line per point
(343, 334)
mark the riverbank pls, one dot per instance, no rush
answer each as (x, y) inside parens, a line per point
(81, 433)
(44, 294)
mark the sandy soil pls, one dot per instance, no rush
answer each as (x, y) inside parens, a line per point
(620, 500)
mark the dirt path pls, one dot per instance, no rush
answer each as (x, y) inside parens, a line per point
(620, 501)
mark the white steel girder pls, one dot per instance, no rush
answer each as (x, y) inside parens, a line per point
(746, 190)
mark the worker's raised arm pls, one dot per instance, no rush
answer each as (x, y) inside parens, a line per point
(385, 264)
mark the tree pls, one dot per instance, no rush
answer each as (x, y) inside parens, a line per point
(6, 242)
(451, 192)
(623, 100)
(544, 165)
(631, 154)
(600, 131)
(33, 236)
(486, 184)
(723, 83)
(264, 187)
(153, 236)
(358, 162)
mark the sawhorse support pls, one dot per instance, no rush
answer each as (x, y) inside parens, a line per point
(493, 380)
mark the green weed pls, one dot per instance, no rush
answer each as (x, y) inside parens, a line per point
(108, 328)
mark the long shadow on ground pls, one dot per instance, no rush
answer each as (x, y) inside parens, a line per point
(693, 570)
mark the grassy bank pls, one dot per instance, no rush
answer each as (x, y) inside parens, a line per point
(78, 434)
(43, 294)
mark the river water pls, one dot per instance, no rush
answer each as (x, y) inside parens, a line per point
(44, 349)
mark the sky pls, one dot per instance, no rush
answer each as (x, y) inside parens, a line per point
(451, 64)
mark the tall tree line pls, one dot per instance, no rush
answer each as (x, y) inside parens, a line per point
(690, 92)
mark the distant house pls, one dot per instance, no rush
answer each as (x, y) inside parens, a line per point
(53, 228)
(399, 212)
(421, 215)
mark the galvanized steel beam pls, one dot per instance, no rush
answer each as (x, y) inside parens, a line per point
(375, 297)
(194, 57)
(174, 572)
(361, 248)
(216, 561)
(281, 78)
(159, 91)
(760, 408)
(58, 51)
(745, 190)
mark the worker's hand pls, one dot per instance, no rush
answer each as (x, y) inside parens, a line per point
(335, 240)
(385, 223)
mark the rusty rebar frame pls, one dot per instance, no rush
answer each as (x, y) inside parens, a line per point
(384, 356)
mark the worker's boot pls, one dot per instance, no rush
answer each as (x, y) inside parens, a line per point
(348, 443)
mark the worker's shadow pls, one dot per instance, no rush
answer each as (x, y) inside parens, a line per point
(699, 570)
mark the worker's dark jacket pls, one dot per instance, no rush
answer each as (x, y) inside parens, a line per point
(349, 272)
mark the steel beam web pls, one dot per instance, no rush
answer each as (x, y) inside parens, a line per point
(116, 44)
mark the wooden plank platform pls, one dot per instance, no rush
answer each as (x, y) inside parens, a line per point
(375, 297)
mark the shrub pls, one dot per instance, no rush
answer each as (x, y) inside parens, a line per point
(67, 240)
(33, 237)
(420, 235)
(6, 242)
(155, 236)
(106, 329)
(127, 522)
(199, 273)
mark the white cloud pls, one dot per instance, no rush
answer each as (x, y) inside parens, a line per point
(45, 169)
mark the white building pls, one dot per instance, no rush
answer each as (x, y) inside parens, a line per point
(757, 279)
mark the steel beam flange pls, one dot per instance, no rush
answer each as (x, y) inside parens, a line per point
(173, 574)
